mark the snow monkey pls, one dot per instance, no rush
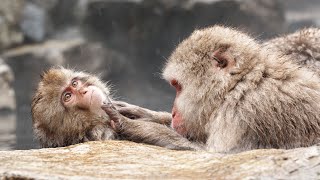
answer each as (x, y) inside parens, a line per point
(232, 95)
(66, 109)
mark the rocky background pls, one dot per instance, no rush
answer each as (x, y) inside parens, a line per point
(125, 41)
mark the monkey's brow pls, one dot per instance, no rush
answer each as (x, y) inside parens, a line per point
(85, 83)
(73, 79)
(204, 55)
(85, 80)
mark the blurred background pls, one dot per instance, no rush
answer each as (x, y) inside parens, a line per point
(126, 42)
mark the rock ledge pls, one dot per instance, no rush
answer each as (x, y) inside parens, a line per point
(121, 159)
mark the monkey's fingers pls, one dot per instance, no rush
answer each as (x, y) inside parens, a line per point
(116, 119)
(119, 104)
(112, 113)
(133, 112)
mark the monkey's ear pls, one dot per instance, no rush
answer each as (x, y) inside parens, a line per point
(220, 59)
(221, 62)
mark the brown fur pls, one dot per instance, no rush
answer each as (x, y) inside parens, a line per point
(53, 124)
(261, 100)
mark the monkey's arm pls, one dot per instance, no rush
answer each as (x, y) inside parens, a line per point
(99, 132)
(148, 132)
(143, 114)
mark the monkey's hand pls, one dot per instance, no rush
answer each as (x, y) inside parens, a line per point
(147, 132)
(142, 114)
(116, 119)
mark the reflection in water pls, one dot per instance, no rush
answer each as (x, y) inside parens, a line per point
(7, 132)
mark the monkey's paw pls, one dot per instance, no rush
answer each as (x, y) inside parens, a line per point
(132, 111)
(116, 119)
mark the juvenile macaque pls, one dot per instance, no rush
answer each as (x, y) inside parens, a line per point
(66, 109)
(232, 94)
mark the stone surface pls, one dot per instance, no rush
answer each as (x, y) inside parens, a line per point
(302, 14)
(7, 96)
(7, 107)
(10, 12)
(7, 131)
(127, 160)
(33, 22)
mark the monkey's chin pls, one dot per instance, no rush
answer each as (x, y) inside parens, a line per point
(107, 101)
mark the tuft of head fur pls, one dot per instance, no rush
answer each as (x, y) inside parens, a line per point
(53, 124)
(262, 101)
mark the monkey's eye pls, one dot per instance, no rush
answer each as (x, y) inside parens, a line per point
(67, 96)
(74, 83)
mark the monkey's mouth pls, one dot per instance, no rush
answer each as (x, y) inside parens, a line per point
(106, 102)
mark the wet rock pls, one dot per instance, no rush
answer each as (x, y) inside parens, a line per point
(33, 22)
(127, 160)
(10, 12)
(67, 13)
(7, 107)
(301, 14)
(45, 19)
(7, 95)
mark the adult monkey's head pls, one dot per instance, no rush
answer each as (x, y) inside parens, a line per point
(203, 68)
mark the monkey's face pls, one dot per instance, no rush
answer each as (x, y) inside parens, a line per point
(84, 96)
(66, 106)
(203, 69)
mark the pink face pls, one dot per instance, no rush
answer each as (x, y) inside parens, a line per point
(177, 121)
(83, 96)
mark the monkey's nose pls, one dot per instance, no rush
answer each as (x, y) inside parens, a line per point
(83, 91)
(173, 114)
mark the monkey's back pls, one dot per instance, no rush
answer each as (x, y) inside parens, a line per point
(303, 47)
(282, 112)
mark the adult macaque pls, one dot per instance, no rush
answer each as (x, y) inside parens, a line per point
(232, 94)
(66, 109)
